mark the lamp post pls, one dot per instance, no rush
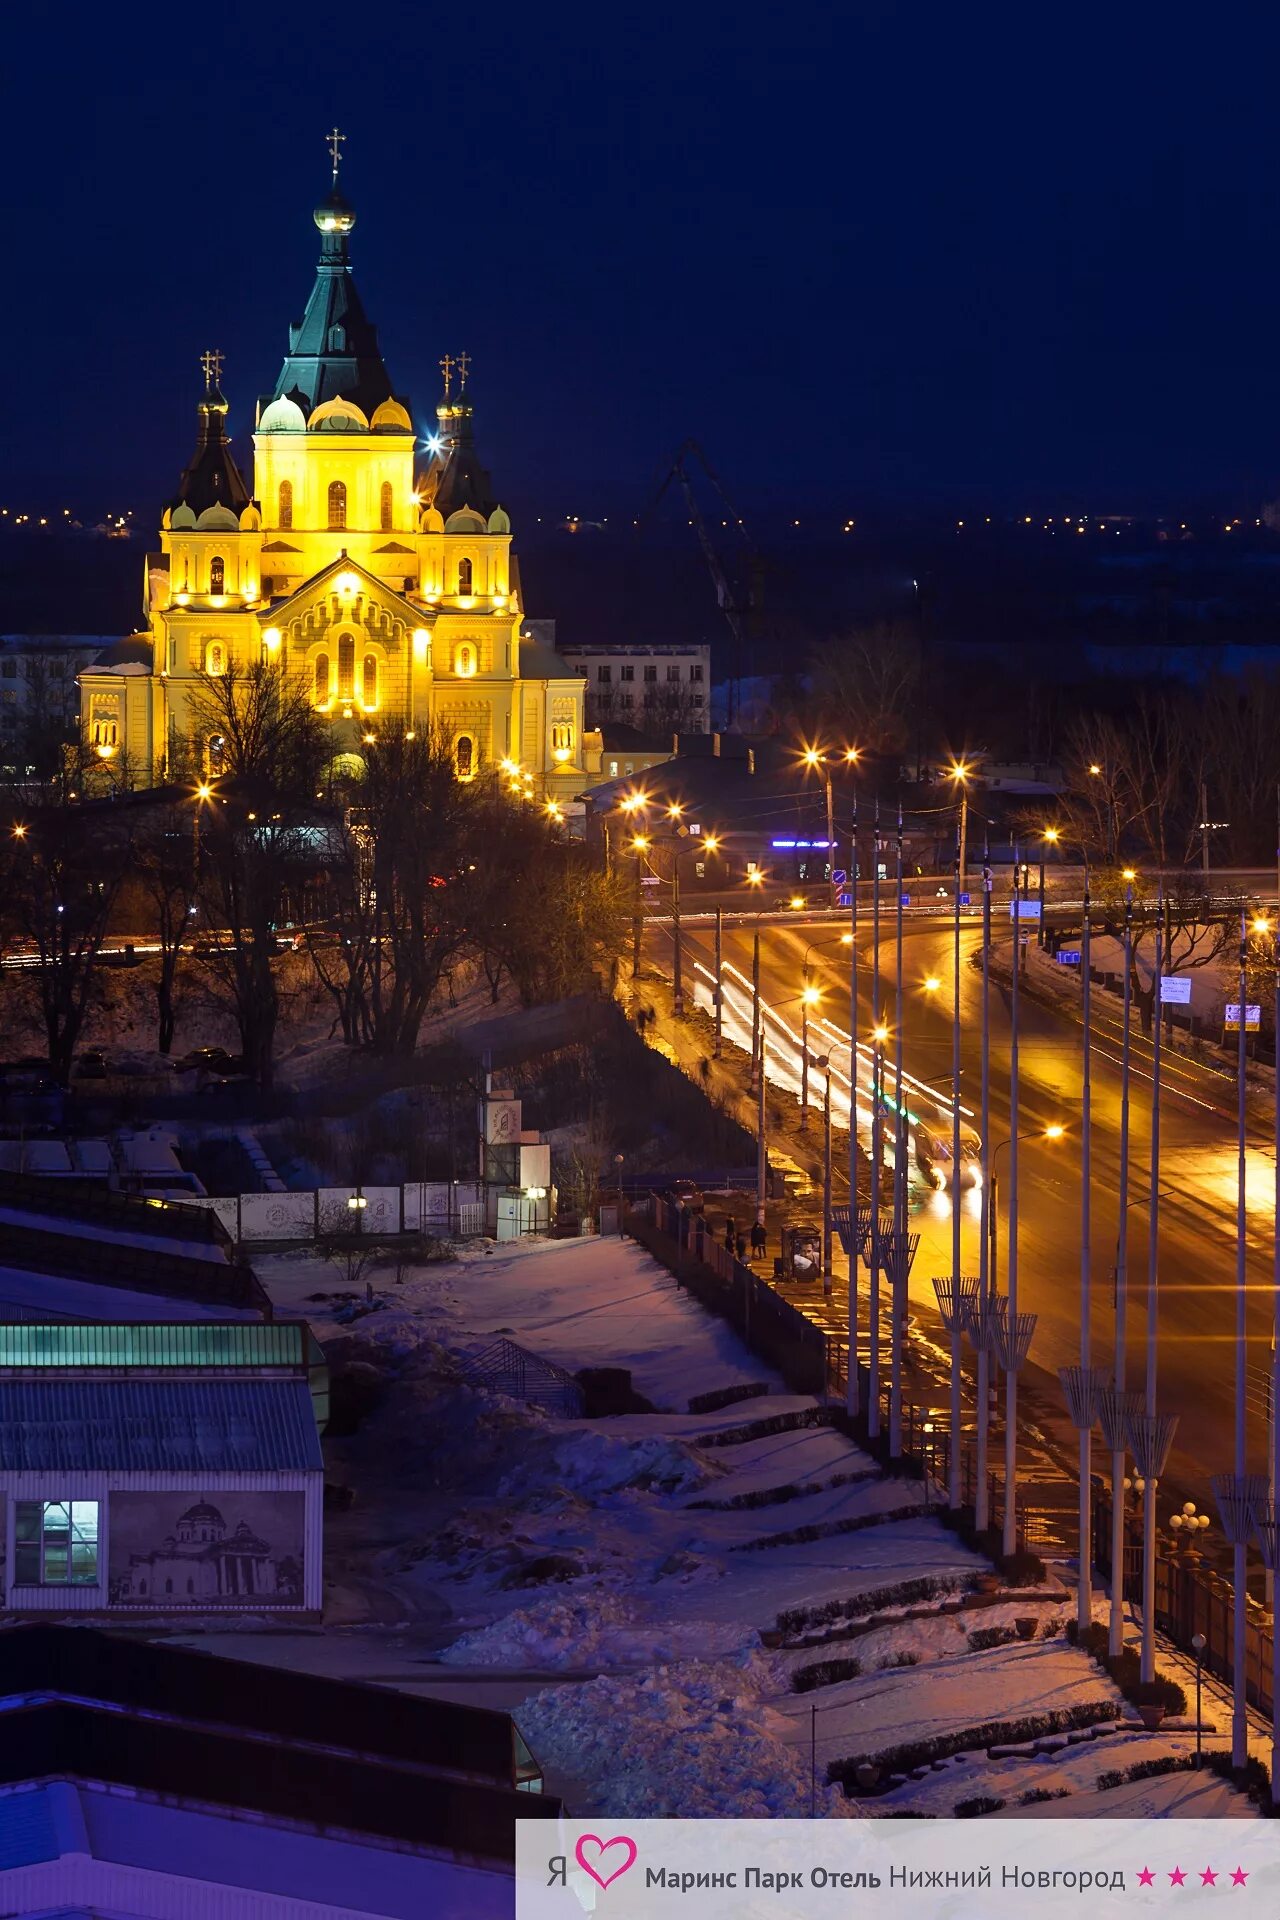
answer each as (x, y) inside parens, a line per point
(1049, 838)
(755, 879)
(719, 1006)
(1198, 1644)
(899, 1280)
(809, 997)
(1119, 1442)
(819, 761)
(880, 1034)
(852, 1384)
(959, 774)
(1015, 1337)
(986, 1283)
(824, 1061)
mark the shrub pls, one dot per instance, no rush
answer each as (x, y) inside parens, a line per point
(900, 1659)
(1022, 1569)
(1146, 1770)
(977, 1805)
(1252, 1777)
(1036, 1796)
(988, 1733)
(904, 1593)
(981, 1638)
(824, 1673)
(1125, 1669)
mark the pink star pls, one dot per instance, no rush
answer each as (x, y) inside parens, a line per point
(1208, 1878)
(1239, 1877)
(1177, 1877)
(1146, 1878)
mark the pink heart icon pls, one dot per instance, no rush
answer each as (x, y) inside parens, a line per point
(601, 1848)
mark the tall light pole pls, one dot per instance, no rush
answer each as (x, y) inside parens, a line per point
(817, 759)
(755, 879)
(1049, 838)
(1117, 1413)
(899, 1279)
(1238, 1495)
(986, 1280)
(879, 1034)
(957, 1190)
(809, 997)
(639, 846)
(1150, 1433)
(719, 1006)
(1014, 1329)
(852, 1384)
(1082, 1385)
(825, 1063)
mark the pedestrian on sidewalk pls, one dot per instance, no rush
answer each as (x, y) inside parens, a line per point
(730, 1231)
(741, 1247)
(759, 1239)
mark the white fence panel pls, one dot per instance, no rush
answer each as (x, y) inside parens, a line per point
(277, 1216)
(379, 1214)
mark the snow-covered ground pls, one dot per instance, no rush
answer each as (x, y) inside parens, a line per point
(646, 1591)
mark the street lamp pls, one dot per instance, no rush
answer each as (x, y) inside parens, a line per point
(755, 880)
(818, 761)
(639, 846)
(1012, 1333)
(959, 772)
(1049, 838)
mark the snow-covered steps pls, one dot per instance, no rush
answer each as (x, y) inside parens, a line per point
(779, 1467)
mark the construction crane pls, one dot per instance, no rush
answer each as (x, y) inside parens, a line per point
(739, 614)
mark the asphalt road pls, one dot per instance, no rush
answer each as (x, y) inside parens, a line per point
(1196, 1255)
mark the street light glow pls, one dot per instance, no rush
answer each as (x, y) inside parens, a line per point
(640, 844)
(812, 757)
(811, 996)
(1261, 924)
(675, 809)
(932, 983)
(1130, 873)
(1054, 1132)
(1052, 835)
(1095, 769)
(958, 770)
(755, 878)
(711, 844)
(797, 903)
(880, 1034)
(851, 754)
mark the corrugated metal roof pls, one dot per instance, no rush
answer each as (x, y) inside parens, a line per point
(27, 1831)
(166, 1426)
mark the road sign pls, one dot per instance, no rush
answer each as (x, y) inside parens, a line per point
(843, 900)
(1231, 1019)
(839, 877)
(1068, 956)
(964, 899)
(1175, 989)
(1024, 909)
(906, 899)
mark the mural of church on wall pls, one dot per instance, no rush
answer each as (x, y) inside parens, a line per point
(242, 1548)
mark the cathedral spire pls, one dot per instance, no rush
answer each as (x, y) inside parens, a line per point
(333, 350)
(211, 477)
(462, 481)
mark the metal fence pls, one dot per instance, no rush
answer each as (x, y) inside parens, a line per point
(1190, 1599)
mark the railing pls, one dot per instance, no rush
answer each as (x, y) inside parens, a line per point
(1190, 1599)
(503, 1367)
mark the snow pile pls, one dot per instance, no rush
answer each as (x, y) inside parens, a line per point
(692, 1743)
(591, 1461)
(599, 1629)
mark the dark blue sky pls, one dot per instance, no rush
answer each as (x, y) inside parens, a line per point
(865, 251)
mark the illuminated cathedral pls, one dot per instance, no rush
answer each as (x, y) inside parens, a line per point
(387, 584)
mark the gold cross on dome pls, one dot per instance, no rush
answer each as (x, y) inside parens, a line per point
(464, 365)
(447, 366)
(211, 361)
(334, 141)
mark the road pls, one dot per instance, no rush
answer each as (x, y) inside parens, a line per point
(1196, 1288)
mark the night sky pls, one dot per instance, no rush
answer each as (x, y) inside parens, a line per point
(867, 253)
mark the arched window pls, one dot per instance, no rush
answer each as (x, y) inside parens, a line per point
(369, 678)
(346, 667)
(464, 576)
(464, 755)
(322, 679)
(337, 505)
(464, 659)
(217, 574)
(285, 515)
(384, 506)
(215, 660)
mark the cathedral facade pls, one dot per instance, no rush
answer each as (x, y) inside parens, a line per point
(388, 585)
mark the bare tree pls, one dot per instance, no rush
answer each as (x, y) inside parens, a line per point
(165, 869)
(266, 746)
(867, 685)
(62, 870)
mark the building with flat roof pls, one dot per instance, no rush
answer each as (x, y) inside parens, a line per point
(167, 1470)
(147, 1779)
(659, 689)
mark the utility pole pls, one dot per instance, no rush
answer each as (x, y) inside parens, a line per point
(852, 1395)
(1204, 831)
(1151, 1435)
(804, 1051)
(1084, 1592)
(638, 845)
(762, 1158)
